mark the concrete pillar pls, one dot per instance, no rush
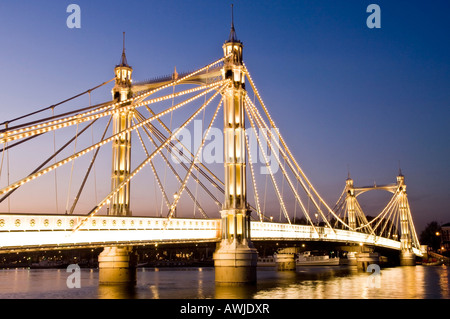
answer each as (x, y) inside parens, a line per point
(407, 258)
(235, 264)
(285, 262)
(235, 260)
(365, 259)
(351, 257)
(121, 147)
(351, 203)
(117, 265)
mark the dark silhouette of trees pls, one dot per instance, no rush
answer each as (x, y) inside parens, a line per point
(431, 235)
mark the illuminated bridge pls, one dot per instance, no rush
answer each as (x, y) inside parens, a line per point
(227, 180)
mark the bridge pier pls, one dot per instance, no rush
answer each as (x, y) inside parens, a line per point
(365, 259)
(236, 259)
(117, 265)
(351, 257)
(407, 258)
(285, 262)
(235, 264)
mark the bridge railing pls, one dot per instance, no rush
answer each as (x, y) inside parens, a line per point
(23, 231)
(279, 231)
(34, 231)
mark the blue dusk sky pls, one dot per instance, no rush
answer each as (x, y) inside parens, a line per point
(345, 97)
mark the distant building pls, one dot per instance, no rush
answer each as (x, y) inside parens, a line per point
(445, 238)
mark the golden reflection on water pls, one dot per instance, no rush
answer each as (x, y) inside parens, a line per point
(398, 282)
(413, 282)
(116, 291)
(444, 282)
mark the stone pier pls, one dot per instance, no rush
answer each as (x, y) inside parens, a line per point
(365, 259)
(117, 265)
(285, 261)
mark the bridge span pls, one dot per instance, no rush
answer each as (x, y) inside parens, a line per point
(141, 113)
(27, 232)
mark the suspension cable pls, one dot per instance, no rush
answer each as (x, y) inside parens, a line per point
(251, 112)
(383, 212)
(56, 179)
(259, 118)
(49, 159)
(93, 157)
(145, 162)
(71, 171)
(55, 105)
(99, 144)
(135, 98)
(161, 137)
(92, 163)
(202, 211)
(106, 110)
(255, 189)
(190, 154)
(268, 167)
(188, 174)
(152, 166)
(284, 144)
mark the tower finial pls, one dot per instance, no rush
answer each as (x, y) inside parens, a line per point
(123, 60)
(123, 42)
(399, 169)
(232, 17)
(232, 37)
(175, 74)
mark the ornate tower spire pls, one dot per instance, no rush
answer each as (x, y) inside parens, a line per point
(121, 163)
(123, 60)
(399, 169)
(232, 37)
(123, 72)
(235, 259)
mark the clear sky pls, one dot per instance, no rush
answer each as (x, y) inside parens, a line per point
(343, 95)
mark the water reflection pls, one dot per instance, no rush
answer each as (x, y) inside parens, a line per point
(419, 282)
(235, 292)
(117, 291)
(444, 282)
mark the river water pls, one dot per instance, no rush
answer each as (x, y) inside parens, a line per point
(332, 282)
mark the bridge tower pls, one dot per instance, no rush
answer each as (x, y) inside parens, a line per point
(407, 257)
(121, 159)
(117, 264)
(235, 259)
(351, 203)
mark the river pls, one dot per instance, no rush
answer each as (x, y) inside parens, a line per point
(332, 282)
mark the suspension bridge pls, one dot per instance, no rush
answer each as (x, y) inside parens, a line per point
(191, 193)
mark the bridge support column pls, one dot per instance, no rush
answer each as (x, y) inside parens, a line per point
(285, 262)
(351, 257)
(365, 259)
(236, 259)
(117, 265)
(351, 203)
(121, 148)
(407, 258)
(235, 264)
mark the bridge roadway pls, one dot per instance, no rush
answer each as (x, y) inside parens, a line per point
(27, 232)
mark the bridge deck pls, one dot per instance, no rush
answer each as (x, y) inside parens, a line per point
(19, 232)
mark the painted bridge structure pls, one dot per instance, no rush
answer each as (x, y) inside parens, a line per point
(141, 114)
